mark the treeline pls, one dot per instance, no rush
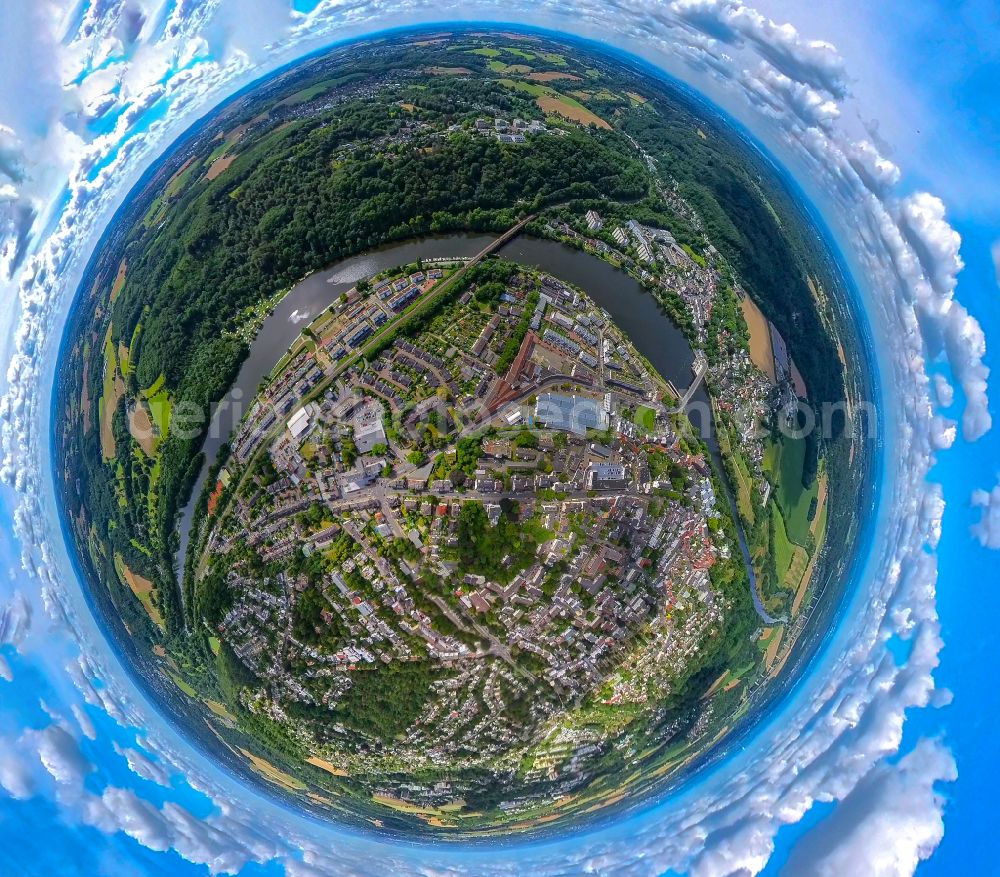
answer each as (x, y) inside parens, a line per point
(727, 333)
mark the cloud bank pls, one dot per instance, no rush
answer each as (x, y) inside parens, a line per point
(987, 529)
(127, 76)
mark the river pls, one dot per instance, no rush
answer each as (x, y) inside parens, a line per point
(633, 310)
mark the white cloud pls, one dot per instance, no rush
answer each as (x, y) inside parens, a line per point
(878, 173)
(943, 390)
(935, 242)
(15, 777)
(776, 94)
(987, 529)
(84, 721)
(59, 754)
(142, 766)
(943, 432)
(965, 344)
(122, 810)
(889, 822)
(15, 619)
(5, 672)
(813, 62)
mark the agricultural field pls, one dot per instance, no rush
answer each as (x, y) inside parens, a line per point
(784, 550)
(552, 102)
(143, 590)
(784, 462)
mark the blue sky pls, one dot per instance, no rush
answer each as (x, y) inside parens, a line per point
(91, 779)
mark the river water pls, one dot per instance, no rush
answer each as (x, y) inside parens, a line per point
(632, 309)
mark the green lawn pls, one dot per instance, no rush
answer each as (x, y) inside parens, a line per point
(307, 94)
(182, 685)
(537, 91)
(531, 88)
(744, 499)
(110, 367)
(645, 418)
(179, 181)
(553, 58)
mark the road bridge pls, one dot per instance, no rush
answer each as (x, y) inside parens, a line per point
(700, 368)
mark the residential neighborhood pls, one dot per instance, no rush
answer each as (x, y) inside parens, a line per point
(502, 497)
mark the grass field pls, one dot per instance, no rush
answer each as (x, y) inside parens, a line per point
(818, 525)
(182, 685)
(744, 482)
(133, 344)
(123, 360)
(645, 418)
(113, 389)
(178, 180)
(219, 166)
(513, 69)
(220, 710)
(306, 94)
(155, 212)
(784, 551)
(272, 773)
(744, 495)
(570, 109)
(552, 76)
(323, 764)
(159, 409)
(116, 287)
(797, 569)
(141, 428)
(784, 463)
(155, 387)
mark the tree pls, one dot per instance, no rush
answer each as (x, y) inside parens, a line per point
(526, 439)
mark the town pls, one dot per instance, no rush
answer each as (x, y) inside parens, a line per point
(502, 496)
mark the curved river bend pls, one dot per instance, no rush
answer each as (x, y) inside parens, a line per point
(633, 309)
